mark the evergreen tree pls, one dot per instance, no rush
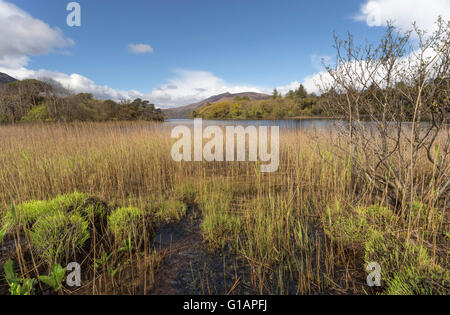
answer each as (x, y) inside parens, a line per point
(275, 94)
(301, 92)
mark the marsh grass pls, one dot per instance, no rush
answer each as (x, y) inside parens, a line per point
(310, 228)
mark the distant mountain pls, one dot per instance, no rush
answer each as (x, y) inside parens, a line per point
(4, 78)
(185, 111)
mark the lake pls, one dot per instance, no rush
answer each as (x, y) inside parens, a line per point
(299, 124)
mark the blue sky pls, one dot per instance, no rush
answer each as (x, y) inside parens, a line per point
(198, 47)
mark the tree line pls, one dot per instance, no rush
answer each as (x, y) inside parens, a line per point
(295, 103)
(39, 101)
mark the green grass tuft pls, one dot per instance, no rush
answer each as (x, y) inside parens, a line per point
(56, 236)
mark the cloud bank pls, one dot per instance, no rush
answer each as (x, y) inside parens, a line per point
(21, 36)
(185, 87)
(403, 13)
(188, 86)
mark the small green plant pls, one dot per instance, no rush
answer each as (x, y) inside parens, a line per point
(219, 228)
(126, 245)
(113, 272)
(102, 261)
(123, 218)
(54, 280)
(10, 274)
(3, 232)
(26, 288)
(17, 286)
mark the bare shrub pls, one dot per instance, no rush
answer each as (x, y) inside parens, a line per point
(395, 98)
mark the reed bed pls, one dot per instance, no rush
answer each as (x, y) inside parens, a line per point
(310, 228)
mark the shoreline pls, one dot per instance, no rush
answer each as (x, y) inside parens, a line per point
(262, 119)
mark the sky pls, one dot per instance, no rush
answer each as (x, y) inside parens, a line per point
(177, 52)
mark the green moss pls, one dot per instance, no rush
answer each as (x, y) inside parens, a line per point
(412, 280)
(126, 223)
(345, 227)
(351, 228)
(406, 268)
(73, 202)
(377, 214)
(424, 214)
(383, 249)
(95, 211)
(58, 228)
(405, 283)
(28, 213)
(56, 236)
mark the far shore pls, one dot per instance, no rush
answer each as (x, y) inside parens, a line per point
(284, 118)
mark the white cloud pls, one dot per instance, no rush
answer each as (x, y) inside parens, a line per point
(369, 72)
(311, 82)
(21, 36)
(14, 62)
(74, 82)
(403, 13)
(283, 89)
(140, 49)
(190, 86)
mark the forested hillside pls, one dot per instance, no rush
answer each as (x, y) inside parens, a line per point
(38, 101)
(293, 104)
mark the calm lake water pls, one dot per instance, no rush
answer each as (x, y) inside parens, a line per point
(309, 124)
